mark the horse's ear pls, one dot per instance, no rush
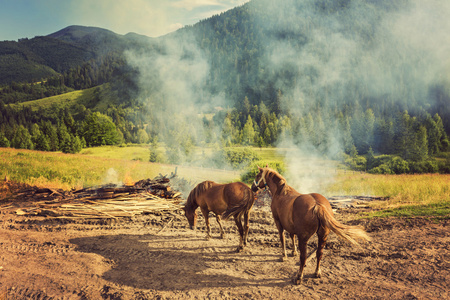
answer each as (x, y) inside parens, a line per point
(267, 165)
(259, 168)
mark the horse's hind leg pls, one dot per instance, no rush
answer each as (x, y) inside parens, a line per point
(237, 220)
(205, 213)
(294, 245)
(302, 247)
(246, 226)
(222, 233)
(322, 233)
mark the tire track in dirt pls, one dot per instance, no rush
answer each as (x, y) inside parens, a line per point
(158, 256)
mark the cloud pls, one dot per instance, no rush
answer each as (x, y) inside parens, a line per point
(192, 4)
(150, 17)
(175, 26)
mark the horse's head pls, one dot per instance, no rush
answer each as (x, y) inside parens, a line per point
(191, 215)
(260, 180)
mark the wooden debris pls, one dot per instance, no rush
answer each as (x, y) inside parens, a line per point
(109, 201)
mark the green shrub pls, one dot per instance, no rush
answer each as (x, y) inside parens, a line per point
(252, 170)
(426, 166)
(358, 163)
(381, 169)
(399, 165)
(236, 157)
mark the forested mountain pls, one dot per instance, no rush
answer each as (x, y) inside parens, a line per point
(337, 77)
(31, 60)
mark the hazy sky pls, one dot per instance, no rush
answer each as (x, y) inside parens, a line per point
(29, 18)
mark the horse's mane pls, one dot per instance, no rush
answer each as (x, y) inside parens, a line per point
(199, 189)
(280, 181)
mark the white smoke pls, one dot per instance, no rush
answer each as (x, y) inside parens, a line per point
(338, 55)
(172, 82)
(112, 177)
(356, 50)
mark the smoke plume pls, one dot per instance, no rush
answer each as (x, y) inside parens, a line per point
(332, 53)
(342, 52)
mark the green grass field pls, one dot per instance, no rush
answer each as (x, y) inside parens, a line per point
(408, 195)
(69, 171)
(60, 101)
(68, 100)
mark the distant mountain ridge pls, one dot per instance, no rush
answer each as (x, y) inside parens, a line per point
(30, 60)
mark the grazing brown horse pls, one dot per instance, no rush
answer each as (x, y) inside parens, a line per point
(232, 199)
(303, 215)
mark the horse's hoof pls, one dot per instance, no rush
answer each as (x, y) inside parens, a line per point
(239, 249)
(283, 258)
(294, 253)
(318, 275)
(208, 237)
(296, 280)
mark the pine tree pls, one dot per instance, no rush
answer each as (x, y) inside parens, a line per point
(433, 134)
(419, 144)
(248, 132)
(22, 139)
(4, 142)
(444, 141)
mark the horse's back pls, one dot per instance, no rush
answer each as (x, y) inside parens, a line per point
(219, 197)
(236, 192)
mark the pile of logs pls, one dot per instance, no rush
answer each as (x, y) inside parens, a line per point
(108, 201)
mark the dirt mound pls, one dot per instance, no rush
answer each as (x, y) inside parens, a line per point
(157, 256)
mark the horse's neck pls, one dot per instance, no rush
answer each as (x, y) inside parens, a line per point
(277, 185)
(274, 187)
(192, 204)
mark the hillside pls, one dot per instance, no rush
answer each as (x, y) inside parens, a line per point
(29, 60)
(345, 79)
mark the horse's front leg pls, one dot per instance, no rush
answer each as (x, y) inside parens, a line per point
(222, 233)
(282, 239)
(205, 213)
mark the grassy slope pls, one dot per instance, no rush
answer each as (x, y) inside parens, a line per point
(63, 100)
(409, 195)
(97, 97)
(80, 170)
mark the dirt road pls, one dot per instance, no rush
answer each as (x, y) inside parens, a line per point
(156, 256)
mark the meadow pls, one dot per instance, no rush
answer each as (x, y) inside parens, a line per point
(407, 195)
(94, 166)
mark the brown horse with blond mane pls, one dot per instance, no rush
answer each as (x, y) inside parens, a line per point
(303, 215)
(232, 199)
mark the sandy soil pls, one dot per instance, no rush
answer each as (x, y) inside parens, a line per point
(157, 256)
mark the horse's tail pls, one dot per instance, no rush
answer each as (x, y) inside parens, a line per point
(346, 232)
(244, 206)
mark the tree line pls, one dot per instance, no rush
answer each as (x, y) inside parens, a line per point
(64, 130)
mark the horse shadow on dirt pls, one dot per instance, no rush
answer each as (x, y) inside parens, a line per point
(173, 263)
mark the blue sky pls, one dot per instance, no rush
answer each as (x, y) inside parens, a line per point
(29, 18)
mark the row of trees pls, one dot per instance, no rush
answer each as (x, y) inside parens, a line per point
(26, 130)
(413, 138)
